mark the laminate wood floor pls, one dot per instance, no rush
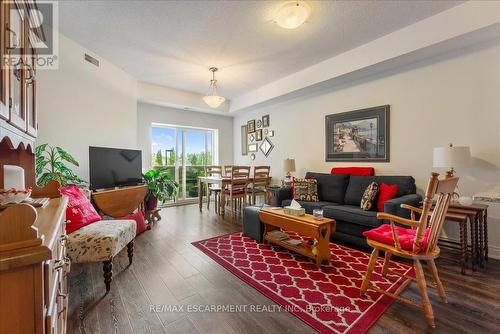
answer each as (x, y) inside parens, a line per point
(168, 270)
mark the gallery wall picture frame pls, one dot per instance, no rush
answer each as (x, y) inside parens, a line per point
(244, 140)
(252, 156)
(251, 126)
(265, 121)
(252, 147)
(259, 124)
(258, 134)
(266, 146)
(270, 133)
(358, 135)
(251, 137)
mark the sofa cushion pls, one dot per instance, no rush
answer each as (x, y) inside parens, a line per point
(352, 214)
(305, 189)
(386, 192)
(331, 188)
(369, 197)
(366, 171)
(358, 184)
(308, 206)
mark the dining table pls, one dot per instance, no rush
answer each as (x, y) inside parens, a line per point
(222, 182)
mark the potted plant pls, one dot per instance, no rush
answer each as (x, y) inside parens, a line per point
(51, 164)
(161, 187)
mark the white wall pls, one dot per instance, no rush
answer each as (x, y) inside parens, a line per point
(81, 105)
(454, 98)
(149, 113)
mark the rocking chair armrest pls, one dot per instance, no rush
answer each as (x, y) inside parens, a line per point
(397, 219)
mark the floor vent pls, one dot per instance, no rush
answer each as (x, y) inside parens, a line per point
(92, 60)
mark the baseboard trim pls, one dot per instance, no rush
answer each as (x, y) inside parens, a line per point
(493, 251)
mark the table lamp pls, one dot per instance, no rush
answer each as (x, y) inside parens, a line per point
(288, 167)
(451, 157)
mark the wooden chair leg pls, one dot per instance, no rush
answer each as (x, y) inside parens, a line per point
(422, 287)
(130, 251)
(208, 199)
(216, 201)
(369, 270)
(107, 267)
(387, 260)
(442, 294)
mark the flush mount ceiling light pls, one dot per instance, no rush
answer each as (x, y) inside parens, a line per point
(292, 14)
(212, 99)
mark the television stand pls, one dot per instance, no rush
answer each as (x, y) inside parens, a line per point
(120, 202)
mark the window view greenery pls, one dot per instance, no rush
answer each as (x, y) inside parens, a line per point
(183, 153)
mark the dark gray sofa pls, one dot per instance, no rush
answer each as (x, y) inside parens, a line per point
(340, 198)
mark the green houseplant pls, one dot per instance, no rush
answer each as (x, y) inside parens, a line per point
(161, 187)
(51, 164)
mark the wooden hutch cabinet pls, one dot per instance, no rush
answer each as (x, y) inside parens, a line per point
(33, 262)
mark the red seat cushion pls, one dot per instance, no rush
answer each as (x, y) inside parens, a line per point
(140, 222)
(235, 192)
(362, 171)
(385, 193)
(406, 236)
(80, 211)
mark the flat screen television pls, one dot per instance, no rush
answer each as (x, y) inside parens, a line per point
(114, 167)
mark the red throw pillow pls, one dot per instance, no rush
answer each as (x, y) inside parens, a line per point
(139, 221)
(362, 171)
(385, 193)
(80, 211)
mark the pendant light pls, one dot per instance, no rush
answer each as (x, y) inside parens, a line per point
(212, 99)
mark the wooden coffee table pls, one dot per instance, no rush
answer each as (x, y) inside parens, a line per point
(306, 225)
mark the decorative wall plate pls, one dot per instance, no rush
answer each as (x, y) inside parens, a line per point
(266, 147)
(252, 156)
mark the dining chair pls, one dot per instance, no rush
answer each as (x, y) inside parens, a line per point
(213, 170)
(260, 183)
(237, 190)
(417, 243)
(228, 170)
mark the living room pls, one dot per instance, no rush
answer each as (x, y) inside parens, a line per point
(173, 144)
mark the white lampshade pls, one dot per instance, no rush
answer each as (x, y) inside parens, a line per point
(292, 14)
(451, 156)
(213, 100)
(289, 165)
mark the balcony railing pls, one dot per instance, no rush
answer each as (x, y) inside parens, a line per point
(192, 173)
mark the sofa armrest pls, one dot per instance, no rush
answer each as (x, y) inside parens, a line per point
(393, 206)
(282, 194)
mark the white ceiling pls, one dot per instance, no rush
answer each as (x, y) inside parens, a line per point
(173, 43)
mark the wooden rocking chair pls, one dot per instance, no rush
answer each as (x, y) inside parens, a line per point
(419, 243)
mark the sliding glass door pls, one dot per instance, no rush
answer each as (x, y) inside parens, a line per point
(183, 152)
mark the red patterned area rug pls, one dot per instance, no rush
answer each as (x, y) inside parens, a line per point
(327, 299)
